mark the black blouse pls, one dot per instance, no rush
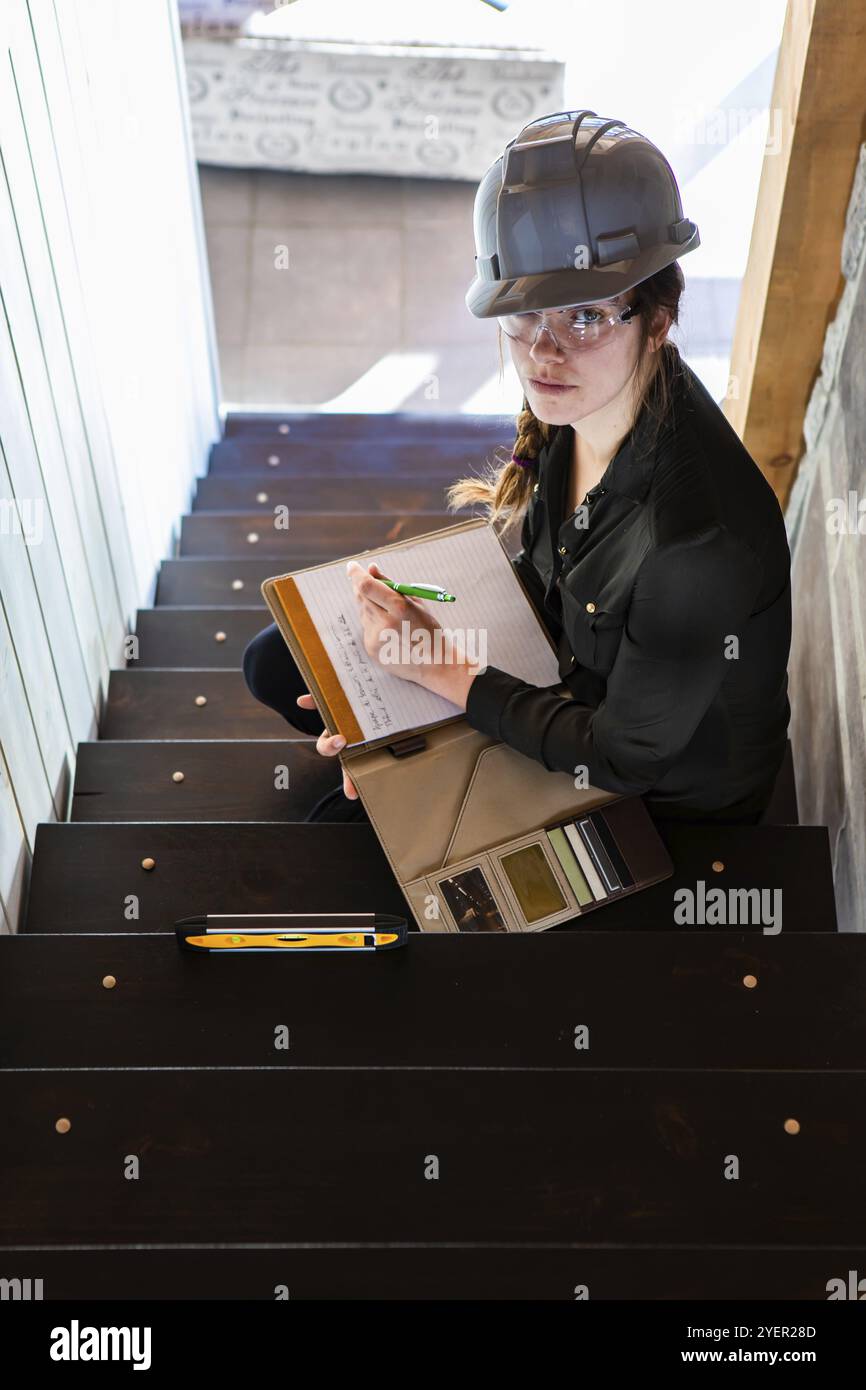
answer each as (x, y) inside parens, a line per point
(668, 595)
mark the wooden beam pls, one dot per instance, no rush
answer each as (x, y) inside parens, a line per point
(793, 278)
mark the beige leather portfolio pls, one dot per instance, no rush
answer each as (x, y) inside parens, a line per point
(479, 836)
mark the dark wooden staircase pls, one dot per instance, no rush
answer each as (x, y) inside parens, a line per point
(305, 1168)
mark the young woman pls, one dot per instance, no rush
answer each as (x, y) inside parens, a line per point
(653, 549)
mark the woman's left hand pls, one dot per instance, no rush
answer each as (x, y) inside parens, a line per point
(395, 625)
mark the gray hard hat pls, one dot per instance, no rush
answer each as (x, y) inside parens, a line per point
(577, 208)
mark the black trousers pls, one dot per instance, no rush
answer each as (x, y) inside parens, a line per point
(273, 677)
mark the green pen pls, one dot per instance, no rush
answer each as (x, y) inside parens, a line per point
(431, 591)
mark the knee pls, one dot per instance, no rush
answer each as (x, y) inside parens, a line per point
(267, 664)
(273, 678)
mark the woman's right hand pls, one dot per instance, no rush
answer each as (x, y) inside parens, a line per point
(329, 746)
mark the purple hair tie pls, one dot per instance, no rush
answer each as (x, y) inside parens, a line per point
(522, 460)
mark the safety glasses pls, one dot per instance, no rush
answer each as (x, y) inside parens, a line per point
(579, 328)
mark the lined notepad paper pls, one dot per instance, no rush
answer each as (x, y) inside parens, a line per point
(490, 608)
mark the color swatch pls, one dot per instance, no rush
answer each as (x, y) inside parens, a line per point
(570, 867)
(533, 882)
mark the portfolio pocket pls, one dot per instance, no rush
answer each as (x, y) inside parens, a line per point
(414, 801)
(510, 795)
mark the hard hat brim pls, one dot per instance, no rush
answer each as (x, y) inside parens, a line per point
(559, 289)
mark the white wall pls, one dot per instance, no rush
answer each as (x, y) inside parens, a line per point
(109, 388)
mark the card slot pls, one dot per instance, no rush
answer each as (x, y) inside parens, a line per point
(535, 883)
(586, 862)
(420, 896)
(570, 867)
(614, 853)
(472, 898)
(593, 843)
(632, 826)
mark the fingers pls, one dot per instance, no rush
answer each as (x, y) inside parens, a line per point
(329, 745)
(368, 586)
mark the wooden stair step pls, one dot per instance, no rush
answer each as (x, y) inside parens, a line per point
(289, 867)
(377, 492)
(204, 637)
(340, 1270)
(161, 704)
(682, 997)
(222, 780)
(83, 871)
(307, 533)
(210, 582)
(315, 424)
(339, 1155)
(448, 459)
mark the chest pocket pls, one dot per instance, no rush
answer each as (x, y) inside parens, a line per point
(594, 637)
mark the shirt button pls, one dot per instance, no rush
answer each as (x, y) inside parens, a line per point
(562, 550)
(535, 489)
(590, 608)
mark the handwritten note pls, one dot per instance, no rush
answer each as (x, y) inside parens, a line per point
(491, 621)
